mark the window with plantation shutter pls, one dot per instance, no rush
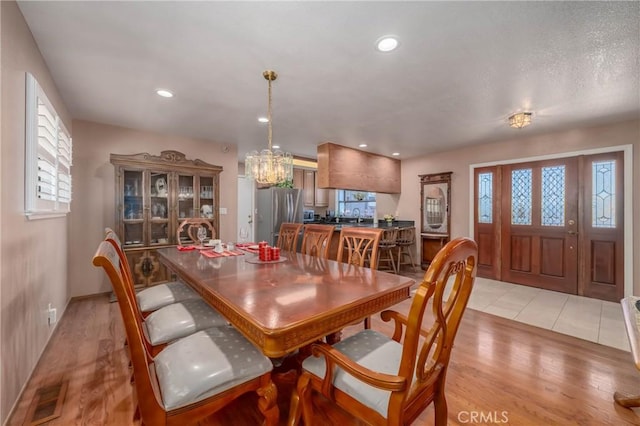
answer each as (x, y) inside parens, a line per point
(48, 157)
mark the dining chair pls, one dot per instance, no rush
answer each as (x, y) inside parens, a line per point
(169, 322)
(386, 248)
(405, 240)
(187, 232)
(288, 236)
(316, 240)
(151, 298)
(390, 380)
(360, 246)
(195, 376)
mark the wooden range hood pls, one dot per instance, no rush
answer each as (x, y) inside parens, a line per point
(340, 167)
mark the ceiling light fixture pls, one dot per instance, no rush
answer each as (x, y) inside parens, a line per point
(164, 93)
(269, 167)
(520, 120)
(395, 154)
(387, 43)
(263, 119)
(363, 145)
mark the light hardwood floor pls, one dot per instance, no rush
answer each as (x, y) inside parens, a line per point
(501, 372)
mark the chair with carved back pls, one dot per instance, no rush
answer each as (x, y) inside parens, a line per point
(194, 376)
(159, 295)
(170, 321)
(390, 381)
(187, 232)
(316, 240)
(386, 248)
(288, 236)
(360, 246)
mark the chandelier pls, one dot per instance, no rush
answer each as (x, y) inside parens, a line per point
(269, 167)
(520, 120)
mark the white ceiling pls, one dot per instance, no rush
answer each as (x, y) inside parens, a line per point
(461, 69)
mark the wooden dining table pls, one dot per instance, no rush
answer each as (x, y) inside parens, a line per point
(287, 305)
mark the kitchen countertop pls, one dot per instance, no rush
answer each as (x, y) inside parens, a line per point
(380, 224)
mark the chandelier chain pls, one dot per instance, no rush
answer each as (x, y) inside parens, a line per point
(269, 112)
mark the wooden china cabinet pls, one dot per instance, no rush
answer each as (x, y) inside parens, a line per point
(153, 195)
(435, 223)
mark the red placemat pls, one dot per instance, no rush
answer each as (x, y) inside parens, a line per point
(226, 253)
(250, 247)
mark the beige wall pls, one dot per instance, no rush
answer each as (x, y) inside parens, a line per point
(33, 253)
(520, 147)
(93, 205)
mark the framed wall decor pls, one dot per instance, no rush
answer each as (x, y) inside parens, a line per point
(435, 217)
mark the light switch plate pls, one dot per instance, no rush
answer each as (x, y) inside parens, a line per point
(223, 210)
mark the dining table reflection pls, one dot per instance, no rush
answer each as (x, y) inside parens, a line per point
(283, 306)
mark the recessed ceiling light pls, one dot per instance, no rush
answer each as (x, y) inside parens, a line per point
(387, 43)
(363, 145)
(395, 154)
(276, 146)
(263, 119)
(164, 93)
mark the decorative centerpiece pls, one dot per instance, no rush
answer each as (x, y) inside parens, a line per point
(389, 218)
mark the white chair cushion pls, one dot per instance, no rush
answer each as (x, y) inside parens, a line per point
(207, 363)
(181, 319)
(160, 295)
(370, 349)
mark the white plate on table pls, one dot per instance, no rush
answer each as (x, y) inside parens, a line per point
(253, 247)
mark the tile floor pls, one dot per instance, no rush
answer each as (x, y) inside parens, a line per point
(590, 319)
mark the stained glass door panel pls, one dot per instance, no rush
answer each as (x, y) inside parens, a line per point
(540, 233)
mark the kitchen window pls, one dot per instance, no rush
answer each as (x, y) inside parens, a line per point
(356, 204)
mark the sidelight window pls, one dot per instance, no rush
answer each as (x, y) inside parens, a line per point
(603, 206)
(485, 197)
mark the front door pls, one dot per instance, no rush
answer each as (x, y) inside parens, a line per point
(540, 224)
(553, 224)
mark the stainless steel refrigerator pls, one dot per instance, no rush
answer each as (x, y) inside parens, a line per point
(273, 207)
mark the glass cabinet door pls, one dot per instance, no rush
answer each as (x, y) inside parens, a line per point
(186, 202)
(133, 208)
(207, 197)
(185, 197)
(158, 208)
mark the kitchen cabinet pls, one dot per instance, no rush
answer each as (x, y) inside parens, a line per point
(298, 178)
(154, 194)
(435, 214)
(341, 167)
(312, 195)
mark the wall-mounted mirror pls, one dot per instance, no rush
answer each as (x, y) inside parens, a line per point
(435, 192)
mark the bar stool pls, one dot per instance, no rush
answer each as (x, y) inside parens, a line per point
(386, 248)
(405, 240)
